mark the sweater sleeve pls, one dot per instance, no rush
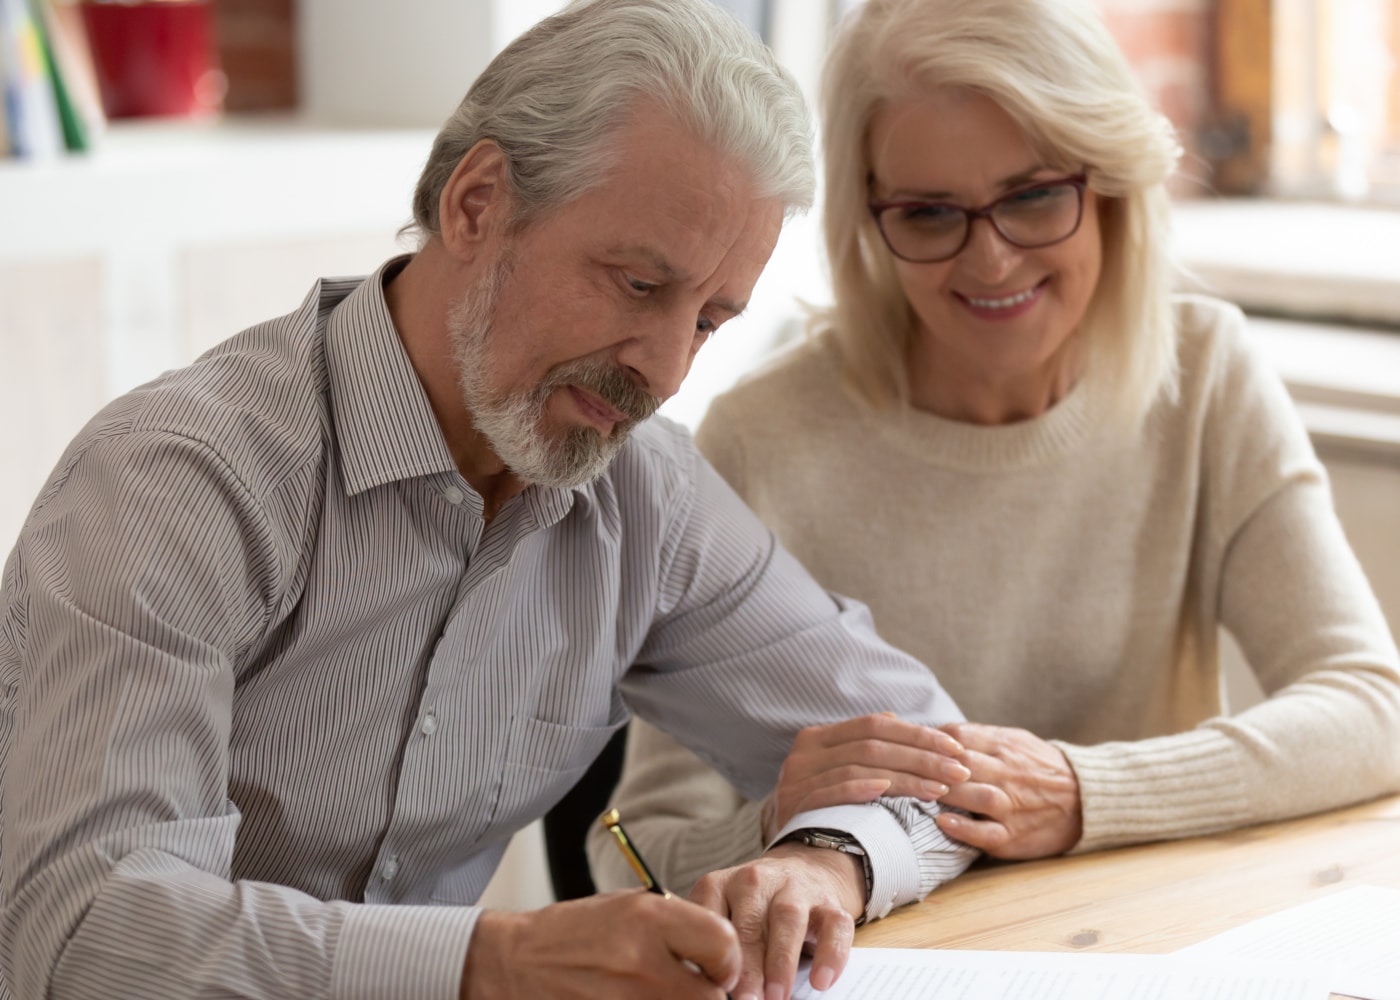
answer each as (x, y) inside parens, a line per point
(1292, 593)
(686, 819)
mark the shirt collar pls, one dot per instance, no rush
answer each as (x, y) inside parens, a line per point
(384, 424)
(549, 505)
(385, 427)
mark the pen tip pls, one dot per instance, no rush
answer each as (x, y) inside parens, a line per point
(610, 818)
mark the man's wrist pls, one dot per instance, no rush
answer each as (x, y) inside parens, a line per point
(485, 973)
(843, 843)
(847, 871)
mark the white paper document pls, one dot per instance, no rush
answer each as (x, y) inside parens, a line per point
(1354, 935)
(917, 974)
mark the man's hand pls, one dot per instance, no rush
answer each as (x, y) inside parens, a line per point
(1022, 792)
(630, 944)
(794, 895)
(860, 760)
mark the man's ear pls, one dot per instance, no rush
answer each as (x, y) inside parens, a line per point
(475, 204)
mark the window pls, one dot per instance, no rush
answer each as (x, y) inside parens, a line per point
(1336, 99)
(1329, 105)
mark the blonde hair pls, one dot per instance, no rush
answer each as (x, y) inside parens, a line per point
(1054, 68)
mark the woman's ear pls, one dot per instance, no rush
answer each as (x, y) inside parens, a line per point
(475, 205)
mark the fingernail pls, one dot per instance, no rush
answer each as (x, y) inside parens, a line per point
(961, 773)
(933, 789)
(949, 819)
(774, 991)
(822, 978)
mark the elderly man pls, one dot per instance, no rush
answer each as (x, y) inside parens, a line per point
(295, 638)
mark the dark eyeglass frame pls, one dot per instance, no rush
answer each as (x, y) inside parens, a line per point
(1078, 181)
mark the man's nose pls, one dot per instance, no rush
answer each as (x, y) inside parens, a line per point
(659, 355)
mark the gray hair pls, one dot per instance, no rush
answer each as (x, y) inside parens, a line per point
(553, 98)
(1055, 69)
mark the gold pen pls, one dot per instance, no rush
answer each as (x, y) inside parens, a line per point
(613, 822)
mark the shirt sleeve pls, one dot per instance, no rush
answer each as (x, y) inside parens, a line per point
(909, 855)
(747, 649)
(143, 573)
(1291, 591)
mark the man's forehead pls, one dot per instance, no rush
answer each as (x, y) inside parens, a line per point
(685, 212)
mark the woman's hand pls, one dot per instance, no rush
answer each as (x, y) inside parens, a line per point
(860, 760)
(1022, 793)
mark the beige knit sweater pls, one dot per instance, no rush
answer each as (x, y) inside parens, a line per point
(1064, 580)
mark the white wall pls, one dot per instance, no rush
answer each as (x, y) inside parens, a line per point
(372, 63)
(407, 63)
(404, 63)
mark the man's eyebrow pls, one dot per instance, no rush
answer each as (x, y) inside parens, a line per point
(653, 259)
(665, 269)
(729, 306)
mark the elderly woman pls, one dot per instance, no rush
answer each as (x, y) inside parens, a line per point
(1050, 478)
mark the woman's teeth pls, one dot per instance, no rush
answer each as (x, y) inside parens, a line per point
(1006, 303)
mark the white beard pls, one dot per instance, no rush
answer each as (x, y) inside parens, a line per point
(512, 423)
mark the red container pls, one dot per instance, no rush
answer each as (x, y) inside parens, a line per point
(155, 58)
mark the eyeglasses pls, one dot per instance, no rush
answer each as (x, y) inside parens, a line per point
(1036, 215)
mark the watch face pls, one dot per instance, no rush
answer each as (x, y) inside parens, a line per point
(832, 841)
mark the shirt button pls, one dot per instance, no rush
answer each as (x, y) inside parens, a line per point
(453, 495)
(390, 868)
(429, 724)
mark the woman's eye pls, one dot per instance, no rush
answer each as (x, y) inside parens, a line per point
(929, 213)
(705, 326)
(1034, 194)
(638, 285)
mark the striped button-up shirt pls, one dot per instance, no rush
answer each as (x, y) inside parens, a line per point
(274, 696)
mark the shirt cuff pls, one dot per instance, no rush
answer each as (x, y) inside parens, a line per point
(894, 864)
(402, 951)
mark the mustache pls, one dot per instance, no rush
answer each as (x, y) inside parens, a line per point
(607, 381)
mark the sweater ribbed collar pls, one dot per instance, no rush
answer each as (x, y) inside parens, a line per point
(926, 437)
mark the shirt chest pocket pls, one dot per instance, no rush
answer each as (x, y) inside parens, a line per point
(543, 761)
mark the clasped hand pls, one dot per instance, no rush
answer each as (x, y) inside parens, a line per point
(1020, 792)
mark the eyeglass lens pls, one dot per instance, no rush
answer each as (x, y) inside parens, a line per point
(1032, 217)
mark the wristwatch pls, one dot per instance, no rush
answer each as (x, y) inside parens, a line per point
(836, 840)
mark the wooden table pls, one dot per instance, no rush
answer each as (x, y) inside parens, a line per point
(1152, 898)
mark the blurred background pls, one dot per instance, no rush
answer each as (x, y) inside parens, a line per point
(172, 171)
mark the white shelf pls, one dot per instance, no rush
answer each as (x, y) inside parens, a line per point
(1335, 262)
(230, 180)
